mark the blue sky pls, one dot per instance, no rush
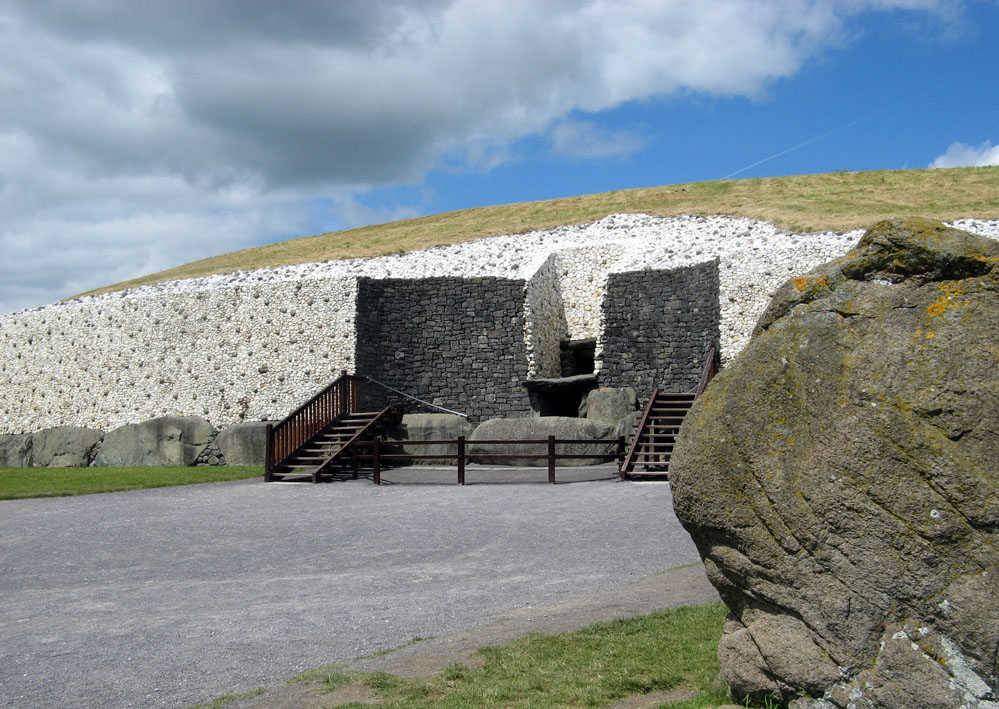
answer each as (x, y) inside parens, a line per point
(139, 136)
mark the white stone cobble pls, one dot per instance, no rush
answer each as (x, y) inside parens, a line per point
(254, 344)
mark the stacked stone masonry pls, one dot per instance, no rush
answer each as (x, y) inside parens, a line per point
(658, 327)
(455, 342)
(465, 325)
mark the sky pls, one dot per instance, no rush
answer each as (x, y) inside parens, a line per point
(140, 135)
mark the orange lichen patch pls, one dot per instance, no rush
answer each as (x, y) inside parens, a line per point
(803, 284)
(945, 301)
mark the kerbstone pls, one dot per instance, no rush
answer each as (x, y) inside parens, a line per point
(608, 405)
(562, 427)
(429, 427)
(15, 450)
(167, 440)
(244, 443)
(65, 446)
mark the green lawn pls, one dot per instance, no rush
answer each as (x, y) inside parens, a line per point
(19, 483)
(593, 667)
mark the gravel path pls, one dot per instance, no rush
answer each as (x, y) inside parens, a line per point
(170, 597)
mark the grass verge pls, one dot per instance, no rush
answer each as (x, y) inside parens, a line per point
(594, 667)
(19, 483)
(838, 201)
(228, 699)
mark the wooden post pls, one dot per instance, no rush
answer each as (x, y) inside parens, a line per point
(620, 451)
(461, 460)
(343, 402)
(269, 455)
(355, 462)
(551, 460)
(377, 476)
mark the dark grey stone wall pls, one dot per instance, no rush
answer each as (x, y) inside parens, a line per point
(456, 342)
(658, 327)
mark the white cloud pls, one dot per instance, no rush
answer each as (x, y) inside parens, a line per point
(961, 155)
(586, 140)
(164, 131)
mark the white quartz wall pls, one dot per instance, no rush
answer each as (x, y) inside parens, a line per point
(747, 281)
(583, 280)
(254, 345)
(544, 320)
(245, 352)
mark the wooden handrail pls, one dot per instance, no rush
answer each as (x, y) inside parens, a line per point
(285, 437)
(712, 365)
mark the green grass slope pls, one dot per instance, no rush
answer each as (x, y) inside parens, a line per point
(836, 201)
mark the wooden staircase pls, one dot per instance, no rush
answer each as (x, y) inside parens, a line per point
(333, 447)
(655, 435)
(319, 436)
(652, 445)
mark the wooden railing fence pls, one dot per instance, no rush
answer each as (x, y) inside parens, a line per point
(378, 454)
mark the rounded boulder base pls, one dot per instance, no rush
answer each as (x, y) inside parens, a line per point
(840, 481)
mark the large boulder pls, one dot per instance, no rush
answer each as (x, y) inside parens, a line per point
(840, 480)
(429, 427)
(562, 427)
(15, 450)
(168, 440)
(65, 446)
(244, 443)
(608, 405)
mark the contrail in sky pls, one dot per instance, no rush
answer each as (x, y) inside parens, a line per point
(819, 137)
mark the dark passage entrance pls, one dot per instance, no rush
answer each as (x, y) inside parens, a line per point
(559, 396)
(578, 357)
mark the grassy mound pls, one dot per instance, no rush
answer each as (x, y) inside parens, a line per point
(835, 201)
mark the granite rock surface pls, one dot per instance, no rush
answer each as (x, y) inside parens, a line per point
(839, 479)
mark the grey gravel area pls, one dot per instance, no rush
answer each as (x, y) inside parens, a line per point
(173, 596)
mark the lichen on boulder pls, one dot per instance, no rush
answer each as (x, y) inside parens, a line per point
(840, 479)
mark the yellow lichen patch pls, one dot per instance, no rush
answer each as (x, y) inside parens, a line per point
(799, 283)
(930, 335)
(936, 308)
